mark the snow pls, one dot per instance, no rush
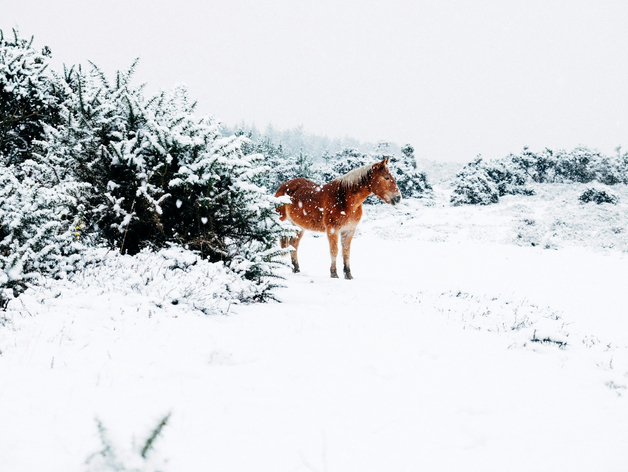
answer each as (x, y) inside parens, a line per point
(458, 346)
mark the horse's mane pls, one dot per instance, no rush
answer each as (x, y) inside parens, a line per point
(355, 178)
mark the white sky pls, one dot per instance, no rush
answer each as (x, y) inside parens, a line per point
(453, 78)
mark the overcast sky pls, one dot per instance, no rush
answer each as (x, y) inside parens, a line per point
(453, 78)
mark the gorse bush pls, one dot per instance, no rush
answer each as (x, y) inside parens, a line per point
(594, 195)
(159, 175)
(411, 182)
(30, 97)
(39, 225)
(108, 138)
(474, 186)
(105, 164)
(39, 208)
(483, 182)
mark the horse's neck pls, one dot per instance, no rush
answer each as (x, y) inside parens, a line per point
(357, 196)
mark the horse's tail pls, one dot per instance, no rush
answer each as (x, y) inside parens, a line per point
(287, 188)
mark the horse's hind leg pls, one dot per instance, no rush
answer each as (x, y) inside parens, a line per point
(332, 236)
(294, 242)
(345, 237)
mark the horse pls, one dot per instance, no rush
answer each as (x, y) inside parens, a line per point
(334, 208)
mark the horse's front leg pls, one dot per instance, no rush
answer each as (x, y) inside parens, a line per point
(332, 236)
(345, 237)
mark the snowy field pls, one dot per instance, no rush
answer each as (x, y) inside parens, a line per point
(472, 339)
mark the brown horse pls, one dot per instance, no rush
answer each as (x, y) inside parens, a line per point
(334, 208)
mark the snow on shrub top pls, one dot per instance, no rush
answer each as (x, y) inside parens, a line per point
(29, 97)
(598, 196)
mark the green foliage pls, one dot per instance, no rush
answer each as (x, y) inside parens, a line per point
(135, 459)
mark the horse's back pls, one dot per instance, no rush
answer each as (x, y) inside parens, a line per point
(291, 187)
(305, 209)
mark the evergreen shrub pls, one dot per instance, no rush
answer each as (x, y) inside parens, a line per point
(88, 160)
(484, 182)
(594, 195)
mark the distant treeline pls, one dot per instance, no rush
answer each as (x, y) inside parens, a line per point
(296, 140)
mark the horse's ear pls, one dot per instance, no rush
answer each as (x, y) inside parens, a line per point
(385, 161)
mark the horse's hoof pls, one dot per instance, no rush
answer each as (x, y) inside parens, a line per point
(296, 270)
(334, 275)
(348, 277)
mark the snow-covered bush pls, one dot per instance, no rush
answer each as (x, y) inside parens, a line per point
(40, 224)
(284, 166)
(594, 195)
(612, 170)
(474, 186)
(157, 174)
(343, 162)
(484, 182)
(577, 165)
(29, 97)
(217, 209)
(84, 157)
(110, 138)
(581, 165)
(411, 182)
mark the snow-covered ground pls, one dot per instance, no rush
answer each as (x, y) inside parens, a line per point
(472, 338)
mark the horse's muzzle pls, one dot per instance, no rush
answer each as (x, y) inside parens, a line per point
(395, 200)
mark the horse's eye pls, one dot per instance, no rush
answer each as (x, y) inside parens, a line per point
(386, 178)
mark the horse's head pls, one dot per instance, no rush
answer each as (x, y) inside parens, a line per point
(383, 183)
